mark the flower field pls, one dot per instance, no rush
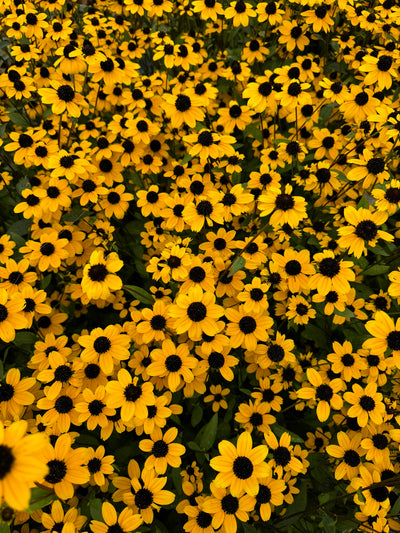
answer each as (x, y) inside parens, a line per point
(199, 266)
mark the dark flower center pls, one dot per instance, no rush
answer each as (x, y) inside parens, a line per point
(393, 340)
(324, 392)
(197, 311)
(95, 407)
(47, 248)
(284, 202)
(329, 267)
(143, 498)
(204, 208)
(282, 456)
(63, 404)
(132, 392)
(242, 467)
(247, 325)
(366, 230)
(57, 471)
(173, 363)
(367, 403)
(160, 448)
(229, 504)
(293, 267)
(98, 272)
(351, 458)
(94, 465)
(276, 353)
(102, 344)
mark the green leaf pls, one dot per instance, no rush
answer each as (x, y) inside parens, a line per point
(21, 227)
(95, 509)
(253, 130)
(18, 120)
(140, 294)
(45, 282)
(298, 506)
(347, 313)
(376, 270)
(279, 431)
(4, 527)
(328, 523)
(238, 264)
(39, 499)
(197, 415)
(194, 446)
(396, 507)
(25, 338)
(206, 436)
(325, 113)
(22, 184)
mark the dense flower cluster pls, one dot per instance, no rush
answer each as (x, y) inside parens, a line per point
(199, 274)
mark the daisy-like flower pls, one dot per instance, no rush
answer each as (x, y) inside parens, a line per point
(63, 98)
(269, 496)
(124, 522)
(196, 312)
(247, 329)
(369, 168)
(326, 395)
(133, 398)
(362, 230)
(65, 467)
(183, 108)
(105, 346)
(226, 509)
(283, 459)
(93, 408)
(254, 415)
(155, 322)
(375, 498)
(163, 450)
(217, 397)
(11, 315)
(380, 70)
(385, 335)
(240, 12)
(22, 463)
(334, 274)
(299, 310)
(344, 361)
(173, 363)
(57, 519)
(350, 453)
(60, 409)
(240, 467)
(283, 207)
(366, 404)
(99, 466)
(48, 253)
(295, 268)
(99, 278)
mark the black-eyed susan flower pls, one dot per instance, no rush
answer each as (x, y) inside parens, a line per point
(362, 230)
(283, 459)
(163, 450)
(65, 467)
(293, 35)
(22, 463)
(174, 363)
(246, 329)
(373, 498)
(104, 346)
(99, 278)
(326, 395)
(227, 509)
(295, 268)
(60, 409)
(133, 398)
(283, 207)
(99, 466)
(240, 12)
(11, 315)
(299, 310)
(240, 467)
(63, 98)
(70, 520)
(217, 397)
(126, 521)
(269, 496)
(48, 253)
(366, 404)
(93, 408)
(345, 361)
(349, 451)
(196, 312)
(255, 415)
(333, 274)
(155, 322)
